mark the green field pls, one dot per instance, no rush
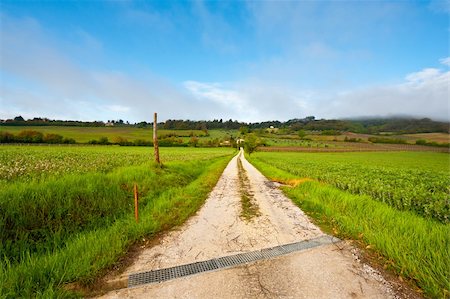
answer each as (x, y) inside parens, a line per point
(59, 201)
(415, 181)
(85, 134)
(397, 203)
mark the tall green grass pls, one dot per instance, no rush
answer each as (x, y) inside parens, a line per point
(100, 205)
(417, 248)
(40, 216)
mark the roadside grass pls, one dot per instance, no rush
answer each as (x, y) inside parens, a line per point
(38, 217)
(168, 197)
(250, 208)
(413, 246)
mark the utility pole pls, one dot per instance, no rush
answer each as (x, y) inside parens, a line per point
(155, 137)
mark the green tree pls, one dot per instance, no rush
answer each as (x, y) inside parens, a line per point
(301, 134)
(251, 143)
(193, 141)
(243, 130)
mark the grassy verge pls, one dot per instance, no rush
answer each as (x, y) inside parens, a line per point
(249, 207)
(414, 247)
(85, 254)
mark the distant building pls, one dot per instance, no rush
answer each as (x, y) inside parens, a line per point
(109, 124)
(272, 129)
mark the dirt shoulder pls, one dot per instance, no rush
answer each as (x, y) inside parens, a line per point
(219, 229)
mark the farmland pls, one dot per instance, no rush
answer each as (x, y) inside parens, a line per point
(396, 204)
(132, 134)
(419, 182)
(312, 141)
(59, 201)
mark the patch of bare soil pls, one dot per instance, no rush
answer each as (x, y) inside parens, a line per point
(218, 230)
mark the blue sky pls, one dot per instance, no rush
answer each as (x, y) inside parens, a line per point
(245, 60)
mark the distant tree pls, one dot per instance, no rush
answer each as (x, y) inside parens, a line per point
(6, 137)
(193, 141)
(19, 118)
(30, 136)
(330, 132)
(103, 140)
(251, 143)
(53, 138)
(69, 141)
(243, 130)
(121, 141)
(301, 134)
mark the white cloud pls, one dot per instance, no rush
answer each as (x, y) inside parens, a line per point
(425, 75)
(39, 79)
(117, 108)
(445, 61)
(215, 92)
(253, 100)
(423, 94)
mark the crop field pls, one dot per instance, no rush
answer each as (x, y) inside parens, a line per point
(419, 182)
(396, 203)
(67, 213)
(28, 163)
(85, 134)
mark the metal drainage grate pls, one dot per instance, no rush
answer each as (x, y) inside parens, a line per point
(161, 275)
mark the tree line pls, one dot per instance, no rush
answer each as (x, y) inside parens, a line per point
(310, 123)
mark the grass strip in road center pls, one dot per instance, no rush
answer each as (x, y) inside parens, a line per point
(250, 208)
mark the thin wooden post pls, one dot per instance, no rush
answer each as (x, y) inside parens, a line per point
(155, 137)
(136, 203)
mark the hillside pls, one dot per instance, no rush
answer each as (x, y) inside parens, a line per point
(370, 126)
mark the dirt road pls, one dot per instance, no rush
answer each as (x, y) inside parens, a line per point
(219, 229)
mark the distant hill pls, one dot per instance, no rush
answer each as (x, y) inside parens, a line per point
(374, 126)
(371, 126)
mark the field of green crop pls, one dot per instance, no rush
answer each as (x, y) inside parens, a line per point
(414, 181)
(85, 134)
(66, 212)
(396, 203)
(28, 163)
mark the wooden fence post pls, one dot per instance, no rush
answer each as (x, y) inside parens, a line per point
(155, 138)
(136, 203)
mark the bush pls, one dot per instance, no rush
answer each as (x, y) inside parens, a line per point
(352, 139)
(433, 143)
(53, 138)
(30, 136)
(6, 137)
(387, 140)
(330, 132)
